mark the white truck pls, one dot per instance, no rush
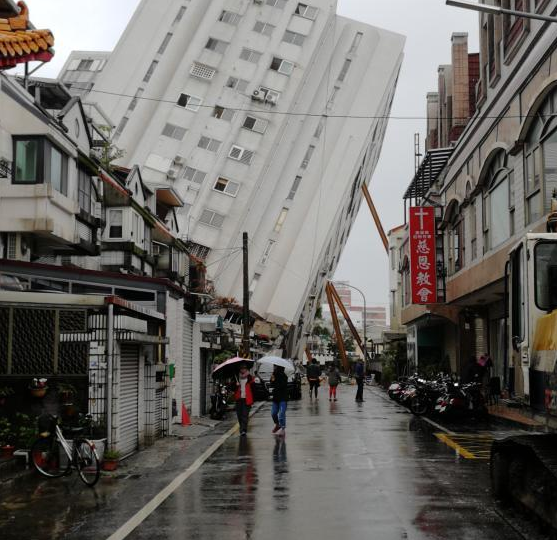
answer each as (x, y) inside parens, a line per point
(524, 467)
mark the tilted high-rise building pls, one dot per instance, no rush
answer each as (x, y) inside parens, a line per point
(267, 116)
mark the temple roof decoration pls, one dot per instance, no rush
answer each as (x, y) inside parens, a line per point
(21, 43)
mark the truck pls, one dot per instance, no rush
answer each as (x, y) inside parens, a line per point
(523, 468)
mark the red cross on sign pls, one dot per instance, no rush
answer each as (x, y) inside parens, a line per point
(423, 270)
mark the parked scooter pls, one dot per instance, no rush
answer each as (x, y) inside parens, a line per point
(219, 402)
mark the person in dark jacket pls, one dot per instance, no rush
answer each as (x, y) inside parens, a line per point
(313, 374)
(279, 382)
(244, 398)
(334, 381)
(359, 373)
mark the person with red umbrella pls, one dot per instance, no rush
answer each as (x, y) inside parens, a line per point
(244, 398)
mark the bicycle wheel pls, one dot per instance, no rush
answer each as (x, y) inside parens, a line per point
(87, 462)
(47, 459)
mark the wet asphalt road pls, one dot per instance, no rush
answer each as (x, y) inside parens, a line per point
(345, 470)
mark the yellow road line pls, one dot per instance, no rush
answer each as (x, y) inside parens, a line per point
(478, 450)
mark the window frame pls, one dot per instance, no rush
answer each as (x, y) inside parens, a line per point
(264, 27)
(235, 86)
(232, 15)
(226, 183)
(281, 63)
(193, 108)
(110, 213)
(294, 38)
(256, 121)
(166, 131)
(250, 52)
(243, 151)
(305, 14)
(220, 45)
(84, 180)
(210, 142)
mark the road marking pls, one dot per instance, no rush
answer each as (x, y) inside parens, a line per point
(469, 446)
(138, 518)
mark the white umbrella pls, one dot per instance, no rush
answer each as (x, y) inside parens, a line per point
(276, 361)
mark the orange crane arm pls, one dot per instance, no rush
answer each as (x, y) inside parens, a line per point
(336, 326)
(346, 316)
(376, 218)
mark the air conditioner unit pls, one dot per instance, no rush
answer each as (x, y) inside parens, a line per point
(258, 96)
(179, 160)
(172, 174)
(272, 99)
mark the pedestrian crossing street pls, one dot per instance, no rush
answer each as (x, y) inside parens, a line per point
(468, 445)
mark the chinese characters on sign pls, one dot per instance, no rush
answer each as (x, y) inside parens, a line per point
(423, 272)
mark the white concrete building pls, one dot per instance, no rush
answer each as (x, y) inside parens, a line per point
(267, 116)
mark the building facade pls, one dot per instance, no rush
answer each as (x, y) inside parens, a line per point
(244, 106)
(497, 185)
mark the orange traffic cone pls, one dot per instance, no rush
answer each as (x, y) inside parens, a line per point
(185, 416)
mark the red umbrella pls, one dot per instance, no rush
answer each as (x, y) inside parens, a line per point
(231, 366)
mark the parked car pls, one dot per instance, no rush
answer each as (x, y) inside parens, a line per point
(262, 384)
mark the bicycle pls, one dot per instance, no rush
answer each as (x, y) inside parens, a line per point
(54, 456)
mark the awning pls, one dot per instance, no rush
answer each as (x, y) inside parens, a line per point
(428, 172)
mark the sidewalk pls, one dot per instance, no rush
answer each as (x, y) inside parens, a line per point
(65, 506)
(515, 418)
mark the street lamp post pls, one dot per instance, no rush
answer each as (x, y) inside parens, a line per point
(497, 10)
(364, 319)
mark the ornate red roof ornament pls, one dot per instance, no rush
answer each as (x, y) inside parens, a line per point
(21, 44)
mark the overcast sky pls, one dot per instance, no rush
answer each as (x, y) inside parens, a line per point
(427, 25)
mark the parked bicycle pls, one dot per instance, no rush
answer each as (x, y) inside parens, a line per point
(54, 456)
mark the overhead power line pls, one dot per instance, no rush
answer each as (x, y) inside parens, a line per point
(319, 115)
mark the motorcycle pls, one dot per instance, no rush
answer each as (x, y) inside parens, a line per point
(219, 402)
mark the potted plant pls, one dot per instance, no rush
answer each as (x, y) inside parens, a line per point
(25, 431)
(7, 447)
(111, 459)
(38, 388)
(66, 392)
(5, 393)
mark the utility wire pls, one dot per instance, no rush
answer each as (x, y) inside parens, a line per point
(323, 115)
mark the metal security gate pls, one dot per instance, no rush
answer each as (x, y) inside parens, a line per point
(159, 404)
(187, 363)
(129, 399)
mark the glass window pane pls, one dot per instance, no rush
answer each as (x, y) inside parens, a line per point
(545, 256)
(56, 169)
(499, 213)
(26, 161)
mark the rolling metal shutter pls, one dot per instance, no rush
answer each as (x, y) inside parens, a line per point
(129, 399)
(187, 363)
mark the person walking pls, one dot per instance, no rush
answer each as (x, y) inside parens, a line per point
(359, 373)
(313, 374)
(244, 398)
(334, 381)
(279, 383)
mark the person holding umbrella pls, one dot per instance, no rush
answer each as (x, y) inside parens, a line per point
(279, 383)
(244, 398)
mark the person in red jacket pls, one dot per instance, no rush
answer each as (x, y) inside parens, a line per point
(244, 398)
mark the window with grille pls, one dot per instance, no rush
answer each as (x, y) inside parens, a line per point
(309, 12)
(229, 17)
(209, 144)
(216, 45)
(194, 175)
(294, 188)
(281, 219)
(164, 43)
(263, 28)
(356, 42)
(255, 124)
(344, 70)
(211, 218)
(267, 253)
(150, 71)
(191, 103)
(135, 99)
(307, 157)
(84, 190)
(268, 93)
(241, 154)
(202, 71)
(280, 4)
(174, 132)
(224, 114)
(282, 66)
(240, 85)
(226, 186)
(198, 250)
(294, 38)
(249, 55)
(180, 14)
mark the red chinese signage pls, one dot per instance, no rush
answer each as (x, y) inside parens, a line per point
(423, 272)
